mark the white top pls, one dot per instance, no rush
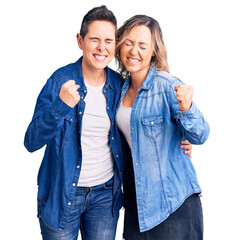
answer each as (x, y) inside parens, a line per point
(123, 116)
(97, 162)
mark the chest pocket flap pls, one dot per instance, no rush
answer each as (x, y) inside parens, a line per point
(152, 125)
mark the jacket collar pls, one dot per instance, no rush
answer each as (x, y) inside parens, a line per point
(148, 82)
(79, 79)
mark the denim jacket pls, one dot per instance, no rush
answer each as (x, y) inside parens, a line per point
(58, 126)
(164, 175)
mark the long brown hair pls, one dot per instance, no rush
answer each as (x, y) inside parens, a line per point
(159, 61)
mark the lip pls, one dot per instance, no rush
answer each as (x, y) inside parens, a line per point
(133, 61)
(99, 57)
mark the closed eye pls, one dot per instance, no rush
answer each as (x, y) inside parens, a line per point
(94, 39)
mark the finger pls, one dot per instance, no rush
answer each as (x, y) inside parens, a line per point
(188, 152)
(74, 87)
(176, 87)
(69, 83)
(190, 156)
(185, 142)
(186, 147)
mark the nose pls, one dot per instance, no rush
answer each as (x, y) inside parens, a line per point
(101, 47)
(134, 50)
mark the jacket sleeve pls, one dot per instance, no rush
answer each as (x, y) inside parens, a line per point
(191, 122)
(48, 117)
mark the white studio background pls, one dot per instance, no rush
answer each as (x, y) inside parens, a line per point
(37, 37)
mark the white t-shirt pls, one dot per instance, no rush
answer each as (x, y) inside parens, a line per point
(97, 160)
(123, 116)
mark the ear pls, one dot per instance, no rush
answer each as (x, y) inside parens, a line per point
(79, 41)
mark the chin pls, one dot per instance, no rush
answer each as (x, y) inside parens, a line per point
(132, 69)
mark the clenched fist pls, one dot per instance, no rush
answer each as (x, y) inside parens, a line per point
(184, 94)
(69, 93)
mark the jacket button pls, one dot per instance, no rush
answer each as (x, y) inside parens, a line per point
(112, 138)
(117, 156)
(139, 201)
(69, 204)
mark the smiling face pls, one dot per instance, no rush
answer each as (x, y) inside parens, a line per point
(98, 45)
(137, 50)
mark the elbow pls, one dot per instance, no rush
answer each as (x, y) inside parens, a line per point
(204, 135)
(27, 144)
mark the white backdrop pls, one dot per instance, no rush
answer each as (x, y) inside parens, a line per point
(37, 37)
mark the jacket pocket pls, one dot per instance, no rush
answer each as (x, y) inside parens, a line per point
(152, 125)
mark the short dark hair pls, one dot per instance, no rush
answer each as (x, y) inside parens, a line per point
(101, 13)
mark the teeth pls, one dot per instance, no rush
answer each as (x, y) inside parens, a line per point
(133, 60)
(99, 57)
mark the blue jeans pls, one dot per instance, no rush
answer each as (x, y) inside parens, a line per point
(91, 212)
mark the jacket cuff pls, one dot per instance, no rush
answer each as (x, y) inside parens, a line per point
(193, 113)
(60, 107)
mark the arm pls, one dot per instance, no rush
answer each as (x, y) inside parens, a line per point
(190, 119)
(48, 116)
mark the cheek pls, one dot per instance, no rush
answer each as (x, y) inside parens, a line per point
(122, 53)
(111, 48)
(147, 57)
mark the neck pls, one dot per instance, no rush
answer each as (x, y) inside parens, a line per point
(93, 77)
(137, 78)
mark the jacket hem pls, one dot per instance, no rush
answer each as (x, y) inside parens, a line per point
(144, 229)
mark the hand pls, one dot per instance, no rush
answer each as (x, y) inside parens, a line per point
(184, 94)
(69, 93)
(187, 146)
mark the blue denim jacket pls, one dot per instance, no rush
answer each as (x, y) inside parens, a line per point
(164, 175)
(58, 126)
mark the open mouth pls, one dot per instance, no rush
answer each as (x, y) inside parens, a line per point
(99, 57)
(133, 60)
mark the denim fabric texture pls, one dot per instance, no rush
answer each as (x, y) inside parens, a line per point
(186, 223)
(58, 126)
(164, 176)
(91, 212)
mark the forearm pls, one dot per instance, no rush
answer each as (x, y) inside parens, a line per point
(196, 129)
(44, 127)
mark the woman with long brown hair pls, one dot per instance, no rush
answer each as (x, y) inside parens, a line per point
(155, 114)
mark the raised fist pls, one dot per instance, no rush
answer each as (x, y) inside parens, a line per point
(184, 94)
(69, 93)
